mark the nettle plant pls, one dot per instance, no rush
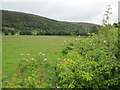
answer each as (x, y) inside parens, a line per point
(37, 72)
(91, 62)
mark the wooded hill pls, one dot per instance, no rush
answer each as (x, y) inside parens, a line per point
(29, 24)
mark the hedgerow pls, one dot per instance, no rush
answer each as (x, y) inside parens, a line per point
(91, 62)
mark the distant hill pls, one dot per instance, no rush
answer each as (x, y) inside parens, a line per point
(28, 24)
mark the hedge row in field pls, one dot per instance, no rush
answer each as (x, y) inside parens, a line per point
(91, 62)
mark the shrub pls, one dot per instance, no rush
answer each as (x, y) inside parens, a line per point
(91, 62)
(37, 72)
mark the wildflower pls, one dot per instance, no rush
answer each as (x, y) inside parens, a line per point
(32, 58)
(64, 41)
(58, 58)
(77, 39)
(18, 59)
(28, 54)
(45, 59)
(104, 41)
(26, 59)
(86, 38)
(21, 54)
(88, 33)
(91, 44)
(23, 58)
(40, 53)
(58, 87)
(79, 36)
(43, 54)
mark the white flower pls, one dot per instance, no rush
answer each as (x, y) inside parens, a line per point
(21, 54)
(58, 87)
(18, 59)
(28, 54)
(64, 41)
(40, 53)
(43, 54)
(45, 59)
(77, 39)
(58, 58)
(79, 36)
(104, 41)
(32, 58)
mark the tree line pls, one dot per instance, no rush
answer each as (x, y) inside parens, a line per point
(28, 24)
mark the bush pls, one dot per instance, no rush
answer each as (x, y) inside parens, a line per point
(91, 62)
(37, 72)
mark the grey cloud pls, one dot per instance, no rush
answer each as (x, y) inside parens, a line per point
(64, 10)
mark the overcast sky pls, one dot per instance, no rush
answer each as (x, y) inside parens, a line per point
(65, 10)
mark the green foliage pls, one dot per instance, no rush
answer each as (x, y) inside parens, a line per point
(9, 31)
(32, 73)
(25, 24)
(88, 62)
(91, 62)
(13, 46)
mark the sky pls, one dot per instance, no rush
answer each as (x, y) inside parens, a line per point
(90, 11)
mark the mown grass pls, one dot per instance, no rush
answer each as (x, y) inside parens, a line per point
(13, 46)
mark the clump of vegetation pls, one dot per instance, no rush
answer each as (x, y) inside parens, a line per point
(92, 62)
(33, 72)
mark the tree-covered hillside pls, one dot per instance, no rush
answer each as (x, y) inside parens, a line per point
(29, 24)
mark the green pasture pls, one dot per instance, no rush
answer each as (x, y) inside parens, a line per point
(13, 46)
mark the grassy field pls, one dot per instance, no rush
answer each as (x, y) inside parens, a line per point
(13, 46)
